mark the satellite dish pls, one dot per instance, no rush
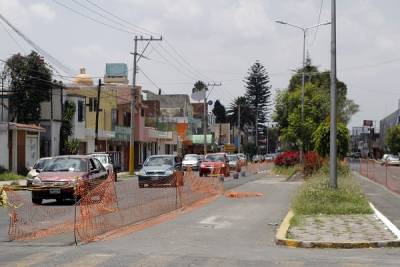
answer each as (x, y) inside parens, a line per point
(209, 102)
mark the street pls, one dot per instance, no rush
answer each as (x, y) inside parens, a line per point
(226, 232)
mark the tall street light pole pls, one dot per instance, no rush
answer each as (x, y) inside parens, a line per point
(333, 145)
(304, 30)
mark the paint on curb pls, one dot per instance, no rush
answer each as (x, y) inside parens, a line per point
(281, 239)
(386, 221)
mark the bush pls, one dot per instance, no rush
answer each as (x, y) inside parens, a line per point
(7, 176)
(287, 159)
(2, 170)
(312, 163)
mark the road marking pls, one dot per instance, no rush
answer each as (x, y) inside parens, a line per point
(386, 221)
(89, 260)
(212, 220)
(31, 260)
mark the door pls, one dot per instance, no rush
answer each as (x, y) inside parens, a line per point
(31, 150)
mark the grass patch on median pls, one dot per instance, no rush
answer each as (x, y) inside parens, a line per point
(10, 176)
(316, 197)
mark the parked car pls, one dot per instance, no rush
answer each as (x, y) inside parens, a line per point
(269, 157)
(215, 161)
(107, 162)
(242, 159)
(58, 178)
(256, 158)
(392, 160)
(36, 169)
(234, 163)
(191, 161)
(159, 170)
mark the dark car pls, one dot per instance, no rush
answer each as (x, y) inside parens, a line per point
(159, 170)
(215, 162)
(59, 177)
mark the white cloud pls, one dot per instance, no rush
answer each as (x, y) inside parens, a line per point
(42, 11)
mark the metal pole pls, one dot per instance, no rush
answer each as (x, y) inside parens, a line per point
(133, 109)
(239, 135)
(302, 96)
(333, 145)
(205, 125)
(96, 140)
(2, 98)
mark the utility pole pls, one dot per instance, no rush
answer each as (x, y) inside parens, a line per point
(51, 122)
(133, 98)
(239, 137)
(2, 96)
(333, 145)
(96, 140)
(205, 117)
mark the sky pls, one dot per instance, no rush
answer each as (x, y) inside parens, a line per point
(217, 41)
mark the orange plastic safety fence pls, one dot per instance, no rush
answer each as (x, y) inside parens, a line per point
(107, 206)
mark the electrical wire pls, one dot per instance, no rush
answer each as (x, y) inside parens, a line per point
(318, 22)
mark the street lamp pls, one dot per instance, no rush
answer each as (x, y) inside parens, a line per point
(304, 29)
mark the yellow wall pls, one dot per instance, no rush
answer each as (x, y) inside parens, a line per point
(108, 102)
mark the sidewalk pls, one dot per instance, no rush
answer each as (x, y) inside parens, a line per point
(384, 200)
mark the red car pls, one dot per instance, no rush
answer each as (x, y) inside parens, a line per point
(215, 162)
(59, 177)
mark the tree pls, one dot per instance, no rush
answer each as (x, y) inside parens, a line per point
(246, 115)
(30, 82)
(294, 134)
(258, 93)
(66, 128)
(321, 137)
(392, 139)
(199, 86)
(219, 112)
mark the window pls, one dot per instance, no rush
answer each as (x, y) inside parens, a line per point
(92, 104)
(127, 119)
(81, 111)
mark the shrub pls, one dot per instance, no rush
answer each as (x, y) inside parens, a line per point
(287, 159)
(312, 162)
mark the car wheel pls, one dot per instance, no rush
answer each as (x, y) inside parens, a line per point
(141, 185)
(200, 174)
(37, 201)
(115, 176)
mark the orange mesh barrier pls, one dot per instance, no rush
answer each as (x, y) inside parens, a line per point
(379, 172)
(99, 208)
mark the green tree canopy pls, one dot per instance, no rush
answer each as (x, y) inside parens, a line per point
(392, 139)
(258, 93)
(316, 107)
(199, 86)
(321, 137)
(219, 112)
(31, 83)
(246, 115)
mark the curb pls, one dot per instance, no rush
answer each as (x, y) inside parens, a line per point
(280, 239)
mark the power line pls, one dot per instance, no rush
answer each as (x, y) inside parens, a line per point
(12, 37)
(93, 19)
(142, 30)
(318, 22)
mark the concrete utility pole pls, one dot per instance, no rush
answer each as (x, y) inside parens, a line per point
(304, 29)
(240, 137)
(333, 142)
(133, 99)
(205, 117)
(96, 140)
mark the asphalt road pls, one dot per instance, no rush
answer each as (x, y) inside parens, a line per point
(226, 232)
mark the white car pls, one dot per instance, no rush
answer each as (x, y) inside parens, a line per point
(393, 160)
(191, 161)
(106, 161)
(35, 170)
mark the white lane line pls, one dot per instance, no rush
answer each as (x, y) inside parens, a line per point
(386, 221)
(212, 220)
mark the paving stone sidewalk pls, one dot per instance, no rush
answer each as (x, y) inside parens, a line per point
(341, 228)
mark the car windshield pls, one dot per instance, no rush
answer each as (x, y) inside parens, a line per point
(41, 164)
(190, 157)
(101, 158)
(159, 161)
(232, 157)
(66, 164)
(215, 158)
